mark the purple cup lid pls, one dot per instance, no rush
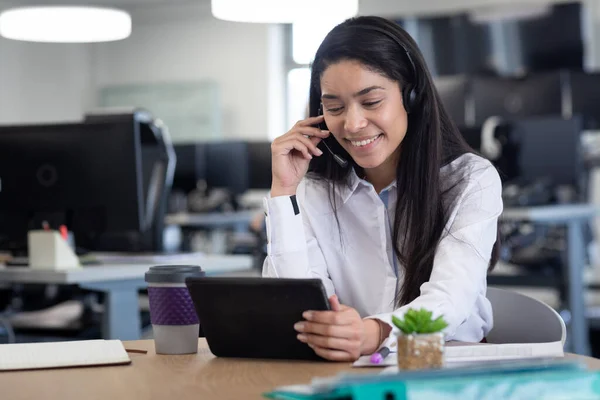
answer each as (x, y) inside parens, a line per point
(172, 273)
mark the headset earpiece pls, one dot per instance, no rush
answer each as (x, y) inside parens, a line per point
(409, 95)
(409, 98)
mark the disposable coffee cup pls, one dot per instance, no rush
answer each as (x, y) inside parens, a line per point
(174, 320)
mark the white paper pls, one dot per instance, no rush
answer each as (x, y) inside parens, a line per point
(459, 353)
(365, 361)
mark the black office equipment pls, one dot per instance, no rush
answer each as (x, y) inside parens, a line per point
(255, 317)
(534, 95)
(191, 166)
(454, 91)
(227, 166)
(550, 148)
(106, 179)
(552, 41)
(472, 135)
(583, 97)
(259, 160)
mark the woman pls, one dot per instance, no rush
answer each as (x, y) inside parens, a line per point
(395, 212)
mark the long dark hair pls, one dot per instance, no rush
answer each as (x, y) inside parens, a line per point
(432, 141)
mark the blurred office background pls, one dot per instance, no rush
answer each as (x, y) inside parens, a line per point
(519, 78)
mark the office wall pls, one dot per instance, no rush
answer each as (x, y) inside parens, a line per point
(43, 82)
(57, 82)
(170, 45)
(435, 7)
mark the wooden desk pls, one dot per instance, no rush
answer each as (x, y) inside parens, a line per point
(194, 377)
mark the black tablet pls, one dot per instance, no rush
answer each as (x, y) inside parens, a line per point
(255, 317)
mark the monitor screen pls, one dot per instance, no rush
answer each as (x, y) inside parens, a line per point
(535, 95)
(259, 158)
(190, 167)
(453, 91)
(88, 176)
(549, 148)
(227, 166)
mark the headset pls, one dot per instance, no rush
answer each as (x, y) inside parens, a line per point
(491, 147)
(409, 93)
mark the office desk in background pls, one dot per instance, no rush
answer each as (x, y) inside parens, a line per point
(213, 219)
(120, 284)
(574, 217)
(216, 223)
(193, 377)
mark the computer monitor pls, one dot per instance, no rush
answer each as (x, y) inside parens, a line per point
(550, 148)
(191, 166)
(227, 166)
(472, 135)
(259, 159)
(453, 91)
(104, 176)
(534, 95)
(584, 96)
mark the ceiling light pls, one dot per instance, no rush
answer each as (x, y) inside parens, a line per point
(283, 11)
(65, 24)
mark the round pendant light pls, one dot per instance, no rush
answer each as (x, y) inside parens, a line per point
(65, 24)
(283, 11)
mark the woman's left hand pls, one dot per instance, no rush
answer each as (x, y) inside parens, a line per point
(337, 335)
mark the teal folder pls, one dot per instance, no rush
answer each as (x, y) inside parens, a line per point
(545, 380)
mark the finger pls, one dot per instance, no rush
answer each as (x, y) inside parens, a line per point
(285, 147)
(312, 148)
(343, 317)
(337, 331)
(335, 303)
(315, 140)
(309, 131)
(310, 120)
(329, 342)
(333, 355)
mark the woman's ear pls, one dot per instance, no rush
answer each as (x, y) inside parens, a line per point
(322, 125)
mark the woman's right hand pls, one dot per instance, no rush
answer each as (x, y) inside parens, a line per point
(291, 154)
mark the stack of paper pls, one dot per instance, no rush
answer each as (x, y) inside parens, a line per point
(62, 354)
(468, 353)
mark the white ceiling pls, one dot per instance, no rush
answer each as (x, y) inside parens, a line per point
(378, 7)
(107, 3)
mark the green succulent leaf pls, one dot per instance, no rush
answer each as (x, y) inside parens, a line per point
(419, 321)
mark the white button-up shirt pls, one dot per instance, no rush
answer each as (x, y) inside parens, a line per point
(355, 260)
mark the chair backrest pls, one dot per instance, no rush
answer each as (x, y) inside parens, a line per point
(522, 319)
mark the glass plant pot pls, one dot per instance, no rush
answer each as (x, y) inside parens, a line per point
(420, 351)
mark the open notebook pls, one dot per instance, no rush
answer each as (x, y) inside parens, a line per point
(456, 352)
(25, 356)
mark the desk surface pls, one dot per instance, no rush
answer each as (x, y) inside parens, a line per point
(552, 213)
(212, 264)
(212, 219)
(198, 376)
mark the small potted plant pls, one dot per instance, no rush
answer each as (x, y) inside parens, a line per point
(420, 340)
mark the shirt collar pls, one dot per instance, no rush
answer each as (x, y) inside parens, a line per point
(352, 184)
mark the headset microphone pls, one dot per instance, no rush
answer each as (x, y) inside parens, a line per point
(342, 163)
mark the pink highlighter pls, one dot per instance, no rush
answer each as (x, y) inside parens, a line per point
(380, 355)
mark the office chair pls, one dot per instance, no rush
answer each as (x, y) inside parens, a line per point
(522, 319)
